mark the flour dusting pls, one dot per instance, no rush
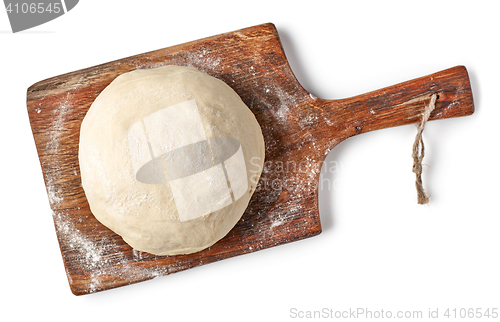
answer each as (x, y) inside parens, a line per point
(101, 260)
(282, 111)
(52, 145)
(308, 120)
(204, 61)
(277, 221)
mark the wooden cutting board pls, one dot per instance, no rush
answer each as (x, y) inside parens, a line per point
(299, 131)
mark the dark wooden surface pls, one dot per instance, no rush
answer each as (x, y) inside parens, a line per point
(299, 131)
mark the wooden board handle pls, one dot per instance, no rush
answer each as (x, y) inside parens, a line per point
(400, 104)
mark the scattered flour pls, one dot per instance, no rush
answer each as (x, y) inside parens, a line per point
(282, 110)
(55, 132)
(102, 259)
(308, 120)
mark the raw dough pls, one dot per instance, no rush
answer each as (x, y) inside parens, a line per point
(169, 158)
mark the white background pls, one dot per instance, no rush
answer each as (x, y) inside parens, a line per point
(378, 250)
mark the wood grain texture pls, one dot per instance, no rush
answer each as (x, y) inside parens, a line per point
(299, 131)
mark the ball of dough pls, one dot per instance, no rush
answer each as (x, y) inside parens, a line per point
(169, 158)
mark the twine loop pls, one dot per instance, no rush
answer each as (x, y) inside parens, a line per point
(419, 151)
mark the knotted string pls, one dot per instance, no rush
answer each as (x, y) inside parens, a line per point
(419, 152)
